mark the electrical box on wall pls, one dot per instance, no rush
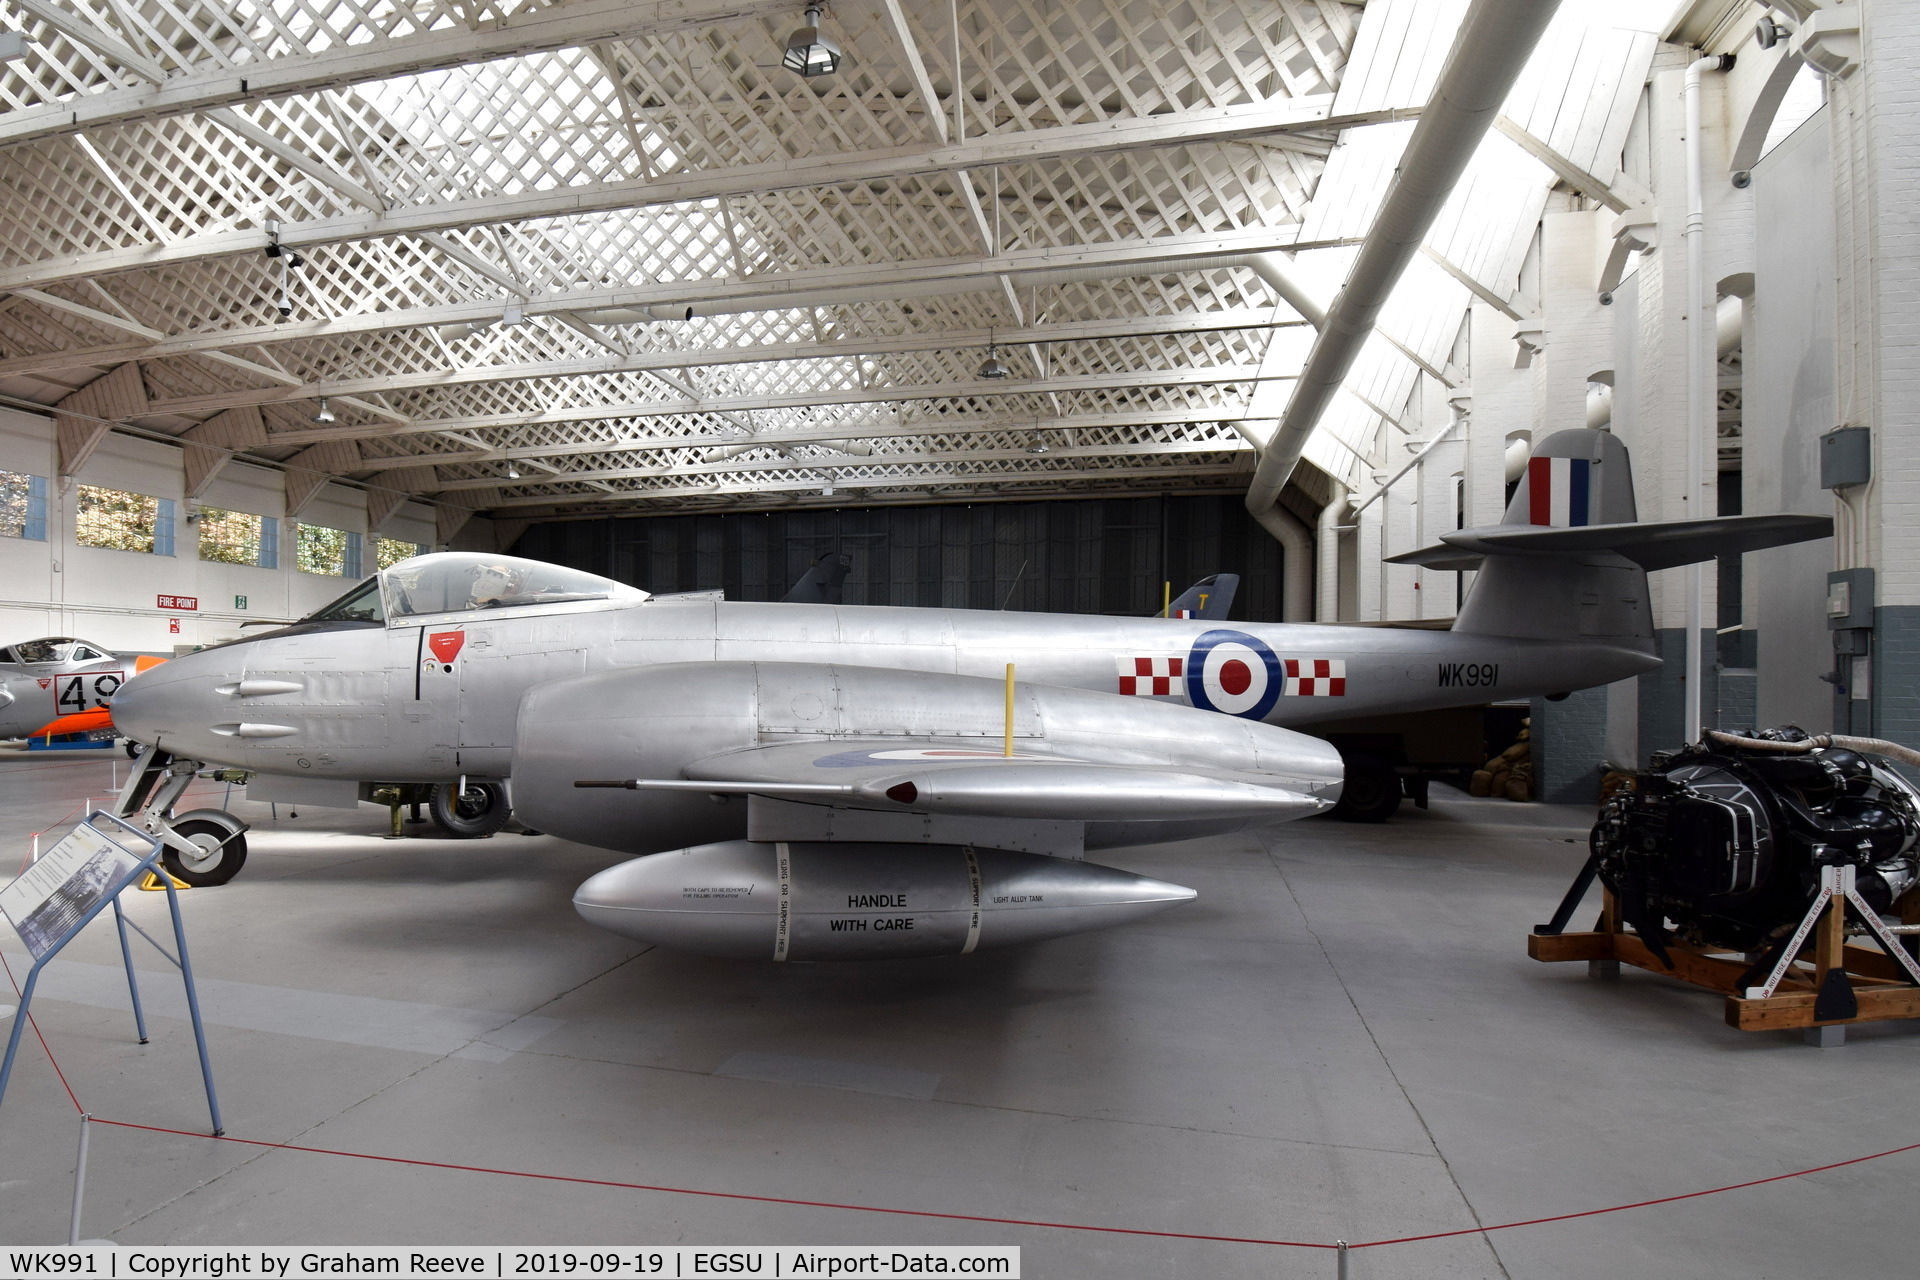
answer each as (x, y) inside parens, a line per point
(1846, 457)
(1849, 599)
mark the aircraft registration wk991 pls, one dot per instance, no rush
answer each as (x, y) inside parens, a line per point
(812, 781)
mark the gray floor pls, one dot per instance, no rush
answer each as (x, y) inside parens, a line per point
(1342, 1038)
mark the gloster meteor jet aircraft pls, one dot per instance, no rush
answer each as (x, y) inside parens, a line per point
(817, 781)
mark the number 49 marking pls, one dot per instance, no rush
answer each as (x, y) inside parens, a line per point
(85, 691)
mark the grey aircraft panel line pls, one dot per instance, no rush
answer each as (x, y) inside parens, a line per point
(825, 781)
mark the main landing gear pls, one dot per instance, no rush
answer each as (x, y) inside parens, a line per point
(1372, 793)
(469, 810)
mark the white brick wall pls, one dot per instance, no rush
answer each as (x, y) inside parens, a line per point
(1877, 126)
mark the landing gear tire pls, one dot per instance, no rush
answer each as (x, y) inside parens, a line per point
(474, 814)
(133, 749)
(224, 852)
(1372, 792)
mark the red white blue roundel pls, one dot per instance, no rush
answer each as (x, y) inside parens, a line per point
(1231, 672)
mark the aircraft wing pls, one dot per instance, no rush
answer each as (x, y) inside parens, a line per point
(970, 778)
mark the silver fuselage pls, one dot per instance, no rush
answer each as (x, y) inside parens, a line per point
(376, 702)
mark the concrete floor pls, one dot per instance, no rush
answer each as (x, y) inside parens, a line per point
(1342, 1037)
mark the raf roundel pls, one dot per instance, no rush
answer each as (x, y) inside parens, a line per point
(1232, 672)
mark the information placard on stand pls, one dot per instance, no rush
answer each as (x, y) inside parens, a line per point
(60, 894)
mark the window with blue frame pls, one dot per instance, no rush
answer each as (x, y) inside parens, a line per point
(23, 506)
(121, 521)
(338, 553)
(391, 551)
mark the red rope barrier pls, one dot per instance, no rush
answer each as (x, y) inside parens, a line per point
(724, 1195)
(1011, 1222)
(45, 1047)
(1639, 1204)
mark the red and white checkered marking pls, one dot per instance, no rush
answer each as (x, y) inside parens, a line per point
(1315, 678)
(1146, 677)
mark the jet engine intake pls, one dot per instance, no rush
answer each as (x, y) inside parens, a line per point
(751, 900)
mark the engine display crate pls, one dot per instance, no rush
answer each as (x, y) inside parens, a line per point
(1826, 975)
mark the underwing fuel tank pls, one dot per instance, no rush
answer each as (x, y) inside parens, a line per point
(750, 900)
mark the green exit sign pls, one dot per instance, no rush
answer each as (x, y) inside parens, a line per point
(239, 602)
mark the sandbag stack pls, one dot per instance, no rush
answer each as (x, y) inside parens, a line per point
(1508, 775)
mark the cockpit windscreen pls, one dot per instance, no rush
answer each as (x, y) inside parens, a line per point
(459, 581)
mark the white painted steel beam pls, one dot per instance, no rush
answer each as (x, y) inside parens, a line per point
(80, 31)
(710, 357)
(829, 431)
(767, 293)
(932, 479)
(820, 398)
(529, 30)
(850, 463)
(1270, 120)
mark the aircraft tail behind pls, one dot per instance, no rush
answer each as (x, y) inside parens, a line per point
(1570, 561)
(1211, 597)
(821, 584)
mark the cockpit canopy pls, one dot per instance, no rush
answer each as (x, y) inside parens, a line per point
(469, 581)
(53, 649)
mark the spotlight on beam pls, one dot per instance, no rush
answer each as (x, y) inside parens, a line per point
(811, 52)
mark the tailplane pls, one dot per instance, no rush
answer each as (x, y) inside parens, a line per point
(1570, 560)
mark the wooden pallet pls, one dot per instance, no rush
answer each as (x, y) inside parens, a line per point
(1879, 988)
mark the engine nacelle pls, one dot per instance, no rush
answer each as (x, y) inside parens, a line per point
(756, 901)
(652, 722)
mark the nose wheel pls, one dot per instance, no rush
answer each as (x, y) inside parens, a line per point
(470, 814)
(220, 844)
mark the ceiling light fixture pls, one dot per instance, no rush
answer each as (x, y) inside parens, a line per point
(323, 414)
(811, 52)
(513, 472)
(993, 366)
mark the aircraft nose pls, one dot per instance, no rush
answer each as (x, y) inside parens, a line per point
(168, 701)
(132, 713)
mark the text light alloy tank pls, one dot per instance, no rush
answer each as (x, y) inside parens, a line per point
(750, 900)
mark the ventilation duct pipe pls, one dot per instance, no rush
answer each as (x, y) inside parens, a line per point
(1599, 405)
(1520, 449)
(1274, 268)
(1296, 567)
(1494, 43)
(1327, 580)
(1727, 318)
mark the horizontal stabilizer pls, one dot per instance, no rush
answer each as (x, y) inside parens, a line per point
(1661, 545)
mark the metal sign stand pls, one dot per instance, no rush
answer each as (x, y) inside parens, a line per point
(145, 849)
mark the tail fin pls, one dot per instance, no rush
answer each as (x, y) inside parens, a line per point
(1210, 597)
(821, 583)
(1570, 562)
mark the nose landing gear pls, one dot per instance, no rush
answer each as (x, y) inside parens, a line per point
(203, 846)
